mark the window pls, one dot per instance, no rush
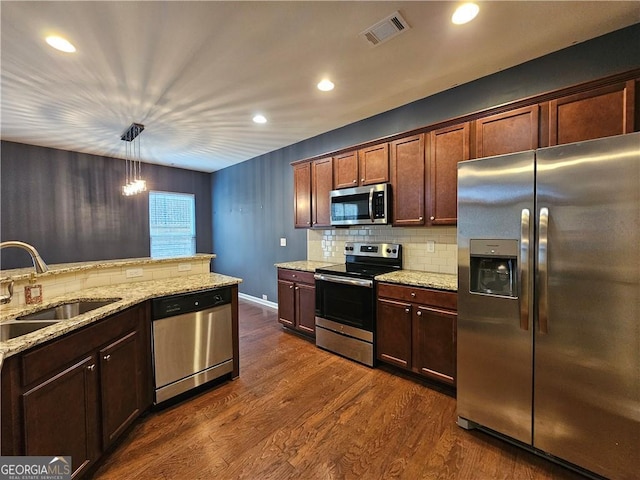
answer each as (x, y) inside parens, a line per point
(172, 224)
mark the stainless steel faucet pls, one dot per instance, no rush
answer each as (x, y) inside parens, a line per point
(38, 263)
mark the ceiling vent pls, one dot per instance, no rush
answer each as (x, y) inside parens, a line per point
(386, 29)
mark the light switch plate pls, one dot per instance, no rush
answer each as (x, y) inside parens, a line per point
(283, 242)
(431, 246)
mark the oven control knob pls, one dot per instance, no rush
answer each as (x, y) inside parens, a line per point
(388, 250)
(394, 250)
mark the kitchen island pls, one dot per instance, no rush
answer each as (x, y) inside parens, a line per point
(77, 385)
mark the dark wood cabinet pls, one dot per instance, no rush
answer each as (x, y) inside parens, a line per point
(302, 195)
(60, 416)
(447, 147)
(407, 167)
(374, 164)
(121, 390)
(367, 166)
(345, 170)
(321, 186)
(421, 165)
(393, 332)
(416, 330)
(312, 182)
(76, 394)
(508, 132)
(297, 300)
(434, 343)
(602, 112)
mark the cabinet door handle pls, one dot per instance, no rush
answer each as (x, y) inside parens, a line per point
(413, 294)
(432, 217)
(290, 287)
(420, 218)
(354, 181)
(91, 367)
(406, 310)
(419, 313)
(107, 357)
(362, 180)
(297, 288)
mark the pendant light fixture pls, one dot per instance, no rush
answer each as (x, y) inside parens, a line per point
(133, 179)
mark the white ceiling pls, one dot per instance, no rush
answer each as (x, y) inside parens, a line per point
(195, 73)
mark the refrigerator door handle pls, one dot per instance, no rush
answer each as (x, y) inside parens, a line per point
(543, 271)
(524, 269)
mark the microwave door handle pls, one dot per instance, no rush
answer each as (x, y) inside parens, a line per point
(371, 204)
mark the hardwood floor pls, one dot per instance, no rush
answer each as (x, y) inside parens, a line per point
(298, 412)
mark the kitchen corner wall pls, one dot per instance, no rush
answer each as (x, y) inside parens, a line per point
(328, 245)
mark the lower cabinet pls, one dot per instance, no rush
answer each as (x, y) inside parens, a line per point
(297, 300)
(416, 330)
(75, 395)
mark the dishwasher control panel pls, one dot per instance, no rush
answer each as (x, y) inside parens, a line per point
(189, 302)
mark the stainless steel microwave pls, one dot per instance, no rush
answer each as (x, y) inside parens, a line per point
(361, 205)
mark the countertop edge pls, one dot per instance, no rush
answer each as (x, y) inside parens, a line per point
(130, 294)
(62, 268)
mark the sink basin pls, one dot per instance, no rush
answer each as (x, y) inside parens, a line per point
(15, 329)
(67, 310)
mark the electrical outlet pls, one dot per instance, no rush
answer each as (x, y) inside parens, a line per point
(184, 267)
(431, 246)
(283, 242)
(264, 297)
(33, 294)
(134, 272)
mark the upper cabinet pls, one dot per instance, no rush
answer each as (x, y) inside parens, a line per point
(602, 112)
(312, 182)
(302, 195)
(345, 170)
(408, 181)
(374, 164)
(367, 166)
(422, 165)
(508, 132)
(447, 147)
(321, 186)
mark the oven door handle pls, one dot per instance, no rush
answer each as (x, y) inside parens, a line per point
(347, 281)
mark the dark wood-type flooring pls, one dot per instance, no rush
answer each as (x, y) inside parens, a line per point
(298, 412)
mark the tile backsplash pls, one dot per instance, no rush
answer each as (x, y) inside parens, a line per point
(328, 245)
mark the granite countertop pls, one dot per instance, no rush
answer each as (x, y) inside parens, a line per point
(304, 265)
(440, 281)
(129, 294)
(57, 269)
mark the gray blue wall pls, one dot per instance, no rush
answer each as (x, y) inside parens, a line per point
(253, 201)
(69, 206)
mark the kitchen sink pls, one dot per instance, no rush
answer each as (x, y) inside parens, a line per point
(48, 316)
(13, 329)
(66, 310)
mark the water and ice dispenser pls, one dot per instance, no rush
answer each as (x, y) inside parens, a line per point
(493, 267)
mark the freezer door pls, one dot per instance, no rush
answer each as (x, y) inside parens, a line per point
(587, 340)
(495, 226)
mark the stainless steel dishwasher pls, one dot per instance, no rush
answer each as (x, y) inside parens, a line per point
(192, 341)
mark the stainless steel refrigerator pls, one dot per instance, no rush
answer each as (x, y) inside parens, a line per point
(549, 301)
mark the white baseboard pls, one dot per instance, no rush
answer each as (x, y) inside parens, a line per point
(250, 298)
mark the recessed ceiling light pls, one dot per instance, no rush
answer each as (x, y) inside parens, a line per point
(260, 119)
(465, 13)
(325, 85)
(60, 43)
